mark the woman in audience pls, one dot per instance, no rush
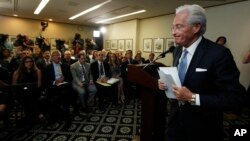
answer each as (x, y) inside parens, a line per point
(116, 73)
(26, 74)
(4, 96)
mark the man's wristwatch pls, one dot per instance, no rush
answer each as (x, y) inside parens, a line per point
(193, 99)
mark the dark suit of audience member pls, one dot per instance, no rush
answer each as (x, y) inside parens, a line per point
(209, 77)
(82, 81)
(128, 90)
(44, 61)
(103, 73)
(58, 84)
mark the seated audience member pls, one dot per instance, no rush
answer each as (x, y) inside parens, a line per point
(139, 59)
(128, 90)
(151, 57)
(4, 96)
(101, 73)
(28, 73)
(44, 61)
(140, 54)
(5, 58)
(116, 73)
(58, 84)
(221, 40)
(67, 58)
(82, 81)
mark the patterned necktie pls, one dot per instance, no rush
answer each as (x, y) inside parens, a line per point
(84, 73)
(101, 69)
(183, 66)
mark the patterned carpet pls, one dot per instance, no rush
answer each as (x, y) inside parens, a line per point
(114, 124)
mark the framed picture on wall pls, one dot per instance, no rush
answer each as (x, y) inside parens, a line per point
(113, 44)
(169, 42)
(121, 45)
(107, 45)
(129, 44)
(147, 45)
(158, 44)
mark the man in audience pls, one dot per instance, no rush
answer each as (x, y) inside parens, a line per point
(101, 73)
(82, 81)
(58, 83)
(151, 57)
(209, 78)
(128, 90)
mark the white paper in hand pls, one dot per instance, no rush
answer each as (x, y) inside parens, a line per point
(169, 76)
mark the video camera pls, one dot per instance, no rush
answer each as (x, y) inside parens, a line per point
(39, 41)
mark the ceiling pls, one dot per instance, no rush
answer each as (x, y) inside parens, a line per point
(61, 10)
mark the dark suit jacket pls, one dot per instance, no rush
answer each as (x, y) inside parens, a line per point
(124, 66)
(218, 85)
(49, 74)
(95, 70)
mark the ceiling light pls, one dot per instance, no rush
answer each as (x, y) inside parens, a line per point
(89, 10)
(41, 6)
(103, 29)
(50, 19)
(15, 15)
(121, 16)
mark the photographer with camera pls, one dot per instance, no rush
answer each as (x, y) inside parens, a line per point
(23, 42)
(78, 43)
(43, 43)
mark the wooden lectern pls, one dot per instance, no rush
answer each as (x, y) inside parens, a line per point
(154, 101)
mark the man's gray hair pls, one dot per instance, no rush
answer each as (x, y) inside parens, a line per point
(196, 15)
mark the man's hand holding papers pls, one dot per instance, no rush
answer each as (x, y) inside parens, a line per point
(168, 78)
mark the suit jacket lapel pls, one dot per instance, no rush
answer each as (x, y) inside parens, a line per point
(177, 54)
(197, 57)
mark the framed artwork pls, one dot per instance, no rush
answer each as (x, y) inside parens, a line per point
(129, 44)
(107, 45)
(121, 45)
(169, 42)
(113, 44)
(158, 44)
(147, 45)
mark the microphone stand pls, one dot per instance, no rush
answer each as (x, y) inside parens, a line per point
(157, 58)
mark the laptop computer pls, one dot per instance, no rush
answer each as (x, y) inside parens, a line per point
(24, 88)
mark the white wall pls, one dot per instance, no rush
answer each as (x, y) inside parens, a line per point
(123, 30)
(231, 20)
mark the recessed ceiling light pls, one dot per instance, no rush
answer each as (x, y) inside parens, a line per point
(50, 19)
(15, 15)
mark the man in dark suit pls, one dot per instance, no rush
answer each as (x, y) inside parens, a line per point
(101, 72)
(128, 90)
(41, 63)
(58, 84)
(210, 80)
